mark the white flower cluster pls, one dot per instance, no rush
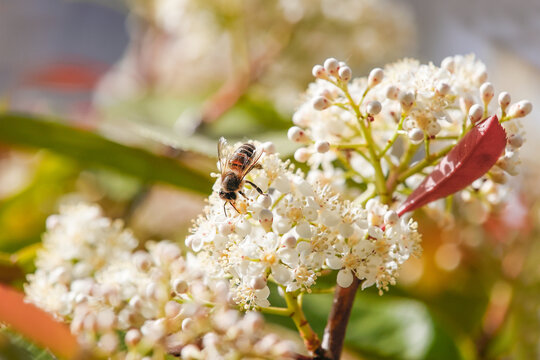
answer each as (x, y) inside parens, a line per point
(154, 302)
(293, 232)
(420, 102)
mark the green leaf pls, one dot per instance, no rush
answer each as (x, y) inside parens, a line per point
(92, 149)
(16, 347)
(388, 327)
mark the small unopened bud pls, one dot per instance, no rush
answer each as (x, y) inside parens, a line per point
(449, 64)
(515, 141)
(319, 72)
(297, 134)
(373, 107)
(481, 76)
(416, 135)
(288, 240)
(172, 308)
(504, 100)
(391, 217)
(108, 342)
(475, 113)
(302, 155)
(265, 200)
(321, 103)
(465, 103)
(132, 338)
(407, 100)
(442, 88)
(345, 73)
(265, 218)
(187, 324)
(375, 77)
(520, 109)
(269, 147)
(257, 283)
(433, 128)
(487, 92)
(331, 65)
(322, 146)
(180, 286)
(392, 92)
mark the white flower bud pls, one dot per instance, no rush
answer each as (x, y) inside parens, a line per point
(302, 155)
(481, 76)
(288, 240)
(416, 135)
(465, 103)
(497, 175)
(265, 200)
(320, 103)
(392, 92)
(373, 107)
(142, 260)
(253, 322)
(345, 278)
(475, 113)
(322, 146)
(504, 100)
(187, 324)
(520, 109)
(303, 229)
(297, 134)
(180, 286)
(225, 228)
(319, 72)
(265, 219)
(487, 92)
(257, 282)
(105, 319)
(132, 338)
(345, 73)
(391, 218)
(442, 89)
(433, 128)
(515, 141)
(136, 302)
(375, 77)
(108, 343)
(269, 147)
(190, 352)
(407, 100)
(172, 308)
(448, 64)
(331, 65)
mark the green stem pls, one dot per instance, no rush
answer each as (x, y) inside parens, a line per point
(394, 137)
(427, 161)
(311, 339)
(274, 310)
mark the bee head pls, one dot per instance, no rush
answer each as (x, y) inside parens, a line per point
(227, 196)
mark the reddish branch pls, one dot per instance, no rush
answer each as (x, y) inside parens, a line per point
(334, 333)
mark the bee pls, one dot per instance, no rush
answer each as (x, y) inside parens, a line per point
(234, 168)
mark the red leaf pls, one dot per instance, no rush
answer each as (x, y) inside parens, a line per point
(67, 76)
(471, 158)
(37, 325)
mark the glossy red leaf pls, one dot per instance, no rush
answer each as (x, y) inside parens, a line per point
(471, 158)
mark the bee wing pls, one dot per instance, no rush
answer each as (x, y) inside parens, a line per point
(253, 162)
(223, 157)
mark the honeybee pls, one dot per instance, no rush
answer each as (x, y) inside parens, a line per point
(234, 167)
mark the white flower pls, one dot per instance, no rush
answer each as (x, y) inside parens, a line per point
(312, 229)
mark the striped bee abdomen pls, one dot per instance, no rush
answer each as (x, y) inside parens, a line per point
(242, 157)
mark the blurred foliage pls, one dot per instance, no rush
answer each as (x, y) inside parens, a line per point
(16, 347)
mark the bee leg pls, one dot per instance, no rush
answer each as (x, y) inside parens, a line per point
(225, 208)
(255, 186)
(242, 193)
(235, 208)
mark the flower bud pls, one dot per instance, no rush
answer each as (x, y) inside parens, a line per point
(433, 128)
(504, 100)
(520, 109)
(481, 76)
(344, 278)
(257, 283)
(288, 240)
(322, 146)
(375, 77)
(515, 141)
(442, 89)
(465, 103)
(345, 73)
(265, 200)
(180, 286)
(321, 103)
(487, 92)
(416, 135)
(132, 338)
(265, 219)
(475, 113)
(172, 308)
(448, 64)
(373, 107)
(269, 147)
(302, 155)
(108, 342)
(319, 72)
(391, 218)
(407, 100)
(331, 65)
(297, 134)
(392, 92)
